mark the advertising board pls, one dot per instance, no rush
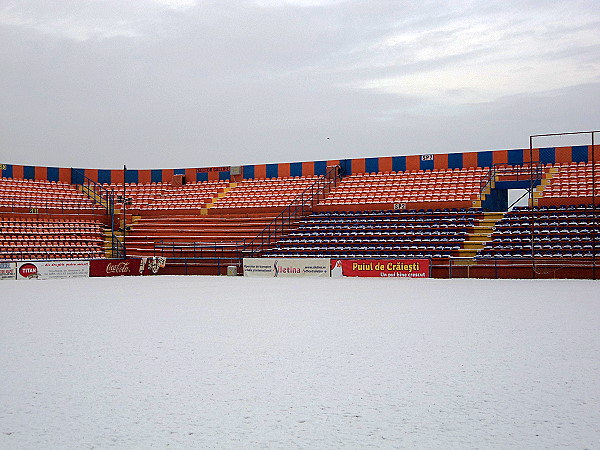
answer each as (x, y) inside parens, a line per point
(126, 267)
(48, 270)
(398, 268)
(286, 267)
(8, 271)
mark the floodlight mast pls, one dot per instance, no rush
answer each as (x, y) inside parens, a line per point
(592, 133)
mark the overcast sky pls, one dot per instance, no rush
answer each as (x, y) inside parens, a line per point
(193, 83)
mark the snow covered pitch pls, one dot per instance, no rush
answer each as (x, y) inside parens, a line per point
(237, 363)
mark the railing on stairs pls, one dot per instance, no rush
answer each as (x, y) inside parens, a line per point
(531, 172)
(302, 204)
(106, 199)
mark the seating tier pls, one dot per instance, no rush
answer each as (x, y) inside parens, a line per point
(562, 232)
(38, 238)
(18, 195)
(383, 234)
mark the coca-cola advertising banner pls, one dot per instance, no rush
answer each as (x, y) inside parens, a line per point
(48, 270)
(400, 268)
(126, 267)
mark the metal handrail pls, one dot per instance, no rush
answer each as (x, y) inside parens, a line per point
(198, 249)
(535, 172)
(302, 203)
(105, 198)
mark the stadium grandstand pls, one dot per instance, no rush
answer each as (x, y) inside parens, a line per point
(452, 209)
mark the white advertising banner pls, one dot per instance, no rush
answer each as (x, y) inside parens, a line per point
(48, 270)
(8, 271)
(286, 267)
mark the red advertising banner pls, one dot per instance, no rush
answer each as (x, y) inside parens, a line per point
(213, 169)
(125, 267)
(401, 268)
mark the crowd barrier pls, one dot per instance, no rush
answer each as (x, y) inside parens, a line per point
(522, 268)
(57, 269)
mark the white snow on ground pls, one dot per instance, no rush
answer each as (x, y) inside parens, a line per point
(236, 363)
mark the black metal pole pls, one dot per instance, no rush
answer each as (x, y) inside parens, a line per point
(594, 216)
(531, 205)
(594, 209)
(124, 211)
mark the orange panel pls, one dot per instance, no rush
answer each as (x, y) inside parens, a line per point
(500, 157)
(41, 173)
(469, 159)
(17, 171)
(213, 176)
(144, 176)
(190, 175)
(595, 155)
(385, 164)
(260, 171)
(413, 162)
(440, 161)
(116, 176)
(358, 165)
(284, 169)
(308, 169)
(535, 154)
(333, 162)
(564, 154)
(167, 175)
(64, 175)
(92, 174)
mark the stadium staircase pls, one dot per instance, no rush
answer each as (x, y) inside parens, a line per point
(113, 242)
(218, 197)
(480, 235)
(546, 180)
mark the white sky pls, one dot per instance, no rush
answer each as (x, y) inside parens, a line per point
(191, 83)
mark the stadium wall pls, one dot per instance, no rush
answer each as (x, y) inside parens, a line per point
(548, 155)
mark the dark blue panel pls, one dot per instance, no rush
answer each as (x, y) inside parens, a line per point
(224, 176)
(516, 184)
(398, 163)
(201, 176)
(8, 172)
(548, 155)
(580, 153)
(156, 175)
(426, 165)
(272, 170)
(345, 167)
(320, 167)
(77, 176)
(131, 176)
(455, 161)
(485, 159)
(104, 176)
(371, 165)
(515, 157)
(29, 173)
(249, 172)
(53, 174)
(179, 172)
(296, 169)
